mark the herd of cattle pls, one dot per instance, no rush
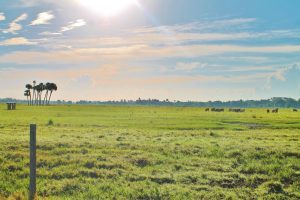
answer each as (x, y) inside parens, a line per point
(240, 110)
(273, 111)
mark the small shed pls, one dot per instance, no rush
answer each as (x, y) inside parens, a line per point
(11, 106)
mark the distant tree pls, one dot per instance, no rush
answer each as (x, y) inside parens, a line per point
(27, 94)
(33, 93)
(38, 91)
(29, 88)
(52, 87)
(47, 88)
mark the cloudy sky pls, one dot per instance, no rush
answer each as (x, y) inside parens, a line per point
(176, 49)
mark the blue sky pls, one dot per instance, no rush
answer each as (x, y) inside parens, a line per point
(176, 49)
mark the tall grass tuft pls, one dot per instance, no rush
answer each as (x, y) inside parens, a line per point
(50, 122)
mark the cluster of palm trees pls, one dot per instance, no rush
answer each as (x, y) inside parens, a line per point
(34, 93)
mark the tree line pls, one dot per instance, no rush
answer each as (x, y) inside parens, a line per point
(280, 102)
(34, 93)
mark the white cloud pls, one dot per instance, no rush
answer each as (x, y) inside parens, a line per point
(27, 3)
(33, 3)
(283, 74)
(236, 21)
(280, 74)
(14, 26)
(246, 69)
(16, 41)
(46, 33)
(183, 66)
(283, 82)
(21, 18)
(136, 52)
(2, 16)
(160, 38)
(72, 25)
(43, 18)
(197, 26)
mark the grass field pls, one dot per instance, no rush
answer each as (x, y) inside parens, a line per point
(118, 152)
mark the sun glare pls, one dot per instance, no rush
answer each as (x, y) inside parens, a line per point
(107, 7)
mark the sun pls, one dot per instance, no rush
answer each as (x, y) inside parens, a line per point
(107, 7)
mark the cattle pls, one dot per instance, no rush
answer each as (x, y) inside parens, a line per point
(295, 110)
(217, 109)
(268, 111)
(206, 109)
(275, 110)
(236, 110)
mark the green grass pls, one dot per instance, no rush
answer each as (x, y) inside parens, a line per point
(118, 152)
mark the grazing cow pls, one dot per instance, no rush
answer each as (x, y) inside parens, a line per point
(275, 110)
(295, 110)
(236, 110)
(268, 111)
(207, 109)
(217, 109)
(221, 110)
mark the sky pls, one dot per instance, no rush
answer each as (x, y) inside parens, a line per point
(196, 50)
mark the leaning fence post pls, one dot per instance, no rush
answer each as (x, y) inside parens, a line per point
(32, 184)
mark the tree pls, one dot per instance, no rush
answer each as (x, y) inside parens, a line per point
(29, 88)
(52, 87)
(40, 88)
(27, 94)
(47, 88)
(33, 93)
(36, 97)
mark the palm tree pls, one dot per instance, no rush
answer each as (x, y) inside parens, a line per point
(52, 87)
(27, 94)
(33, 93)
(36, 88)
(29, 88)
(36, 94)
(40, 88)
(47, 88)
(35, 98)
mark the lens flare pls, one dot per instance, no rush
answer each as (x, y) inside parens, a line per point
(107, 7)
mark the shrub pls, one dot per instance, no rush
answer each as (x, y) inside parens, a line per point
(212, 134)
(50, 123)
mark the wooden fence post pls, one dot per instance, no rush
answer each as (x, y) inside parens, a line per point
(32, 184)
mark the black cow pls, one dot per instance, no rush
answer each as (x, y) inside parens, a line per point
(236, 110)
(217, 109)
(275, 110)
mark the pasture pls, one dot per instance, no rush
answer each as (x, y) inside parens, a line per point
(121, 152)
